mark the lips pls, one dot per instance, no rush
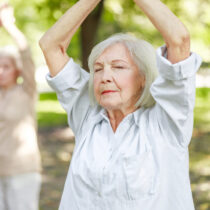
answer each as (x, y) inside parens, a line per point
(109, 91)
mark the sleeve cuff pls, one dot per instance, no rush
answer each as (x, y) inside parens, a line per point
(67, 77)
(181, 70)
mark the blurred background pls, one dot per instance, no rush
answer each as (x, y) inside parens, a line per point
(56, 140)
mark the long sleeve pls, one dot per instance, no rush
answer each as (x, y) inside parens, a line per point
(174, 93)
(71, 86)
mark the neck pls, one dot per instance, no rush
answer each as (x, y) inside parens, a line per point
(116, 116)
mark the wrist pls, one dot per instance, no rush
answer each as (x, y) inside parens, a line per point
(90, 2)
(145, 2)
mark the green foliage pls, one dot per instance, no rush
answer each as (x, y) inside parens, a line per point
(202, 110)
(202, 94)
(34, 17)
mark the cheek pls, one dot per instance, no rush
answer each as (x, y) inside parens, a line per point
(8, 74)
(126, 82)
(132, 84)
(12, 74)
(96, 87)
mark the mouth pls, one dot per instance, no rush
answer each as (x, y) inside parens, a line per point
(108, 92)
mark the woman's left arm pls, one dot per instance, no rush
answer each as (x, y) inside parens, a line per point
(174, 33)
(174, 88)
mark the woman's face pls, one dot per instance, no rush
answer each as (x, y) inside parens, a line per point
(8, 72)
(117, 80)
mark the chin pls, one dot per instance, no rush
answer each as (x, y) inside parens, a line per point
(110, 106)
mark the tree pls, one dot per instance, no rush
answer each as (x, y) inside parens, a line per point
(89, 33)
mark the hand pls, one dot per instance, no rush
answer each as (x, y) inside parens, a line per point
(6, 15)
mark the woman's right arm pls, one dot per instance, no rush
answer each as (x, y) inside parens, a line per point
(55, 41)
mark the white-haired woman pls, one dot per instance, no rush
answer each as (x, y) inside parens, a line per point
(133, 128)
(20, 165)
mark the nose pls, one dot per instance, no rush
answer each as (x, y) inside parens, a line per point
(1, 70)
(107, 76)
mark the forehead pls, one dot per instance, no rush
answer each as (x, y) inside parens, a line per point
(7, 60)
(117, 51)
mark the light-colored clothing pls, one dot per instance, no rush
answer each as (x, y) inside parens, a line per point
(144, 164)
(19, 151)
(20, 192)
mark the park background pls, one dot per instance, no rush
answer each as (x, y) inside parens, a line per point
(56, 140)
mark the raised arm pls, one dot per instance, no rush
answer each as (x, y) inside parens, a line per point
(7, 20)
(55, 41)
(174, 33)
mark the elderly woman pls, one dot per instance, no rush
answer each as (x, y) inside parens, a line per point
(133, 128)
(20, 165)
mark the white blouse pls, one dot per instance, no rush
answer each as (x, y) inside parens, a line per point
(144, 165)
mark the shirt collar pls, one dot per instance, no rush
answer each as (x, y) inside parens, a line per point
(132, 117)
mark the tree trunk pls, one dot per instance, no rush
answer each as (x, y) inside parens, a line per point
(88, 33)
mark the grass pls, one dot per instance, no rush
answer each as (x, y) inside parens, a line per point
(49, 112)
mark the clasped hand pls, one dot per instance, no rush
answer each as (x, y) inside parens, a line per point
(6, 15)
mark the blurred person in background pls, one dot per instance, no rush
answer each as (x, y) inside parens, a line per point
(20, 165)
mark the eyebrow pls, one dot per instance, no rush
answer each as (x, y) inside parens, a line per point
(112, 62)
(119, 60)
(98, 63)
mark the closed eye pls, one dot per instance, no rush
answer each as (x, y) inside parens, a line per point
(98, 69)
(118, 67)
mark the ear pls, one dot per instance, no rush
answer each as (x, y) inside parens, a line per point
(142, 81)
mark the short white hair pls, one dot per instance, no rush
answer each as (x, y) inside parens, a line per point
(11, 52)
(142, 53)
